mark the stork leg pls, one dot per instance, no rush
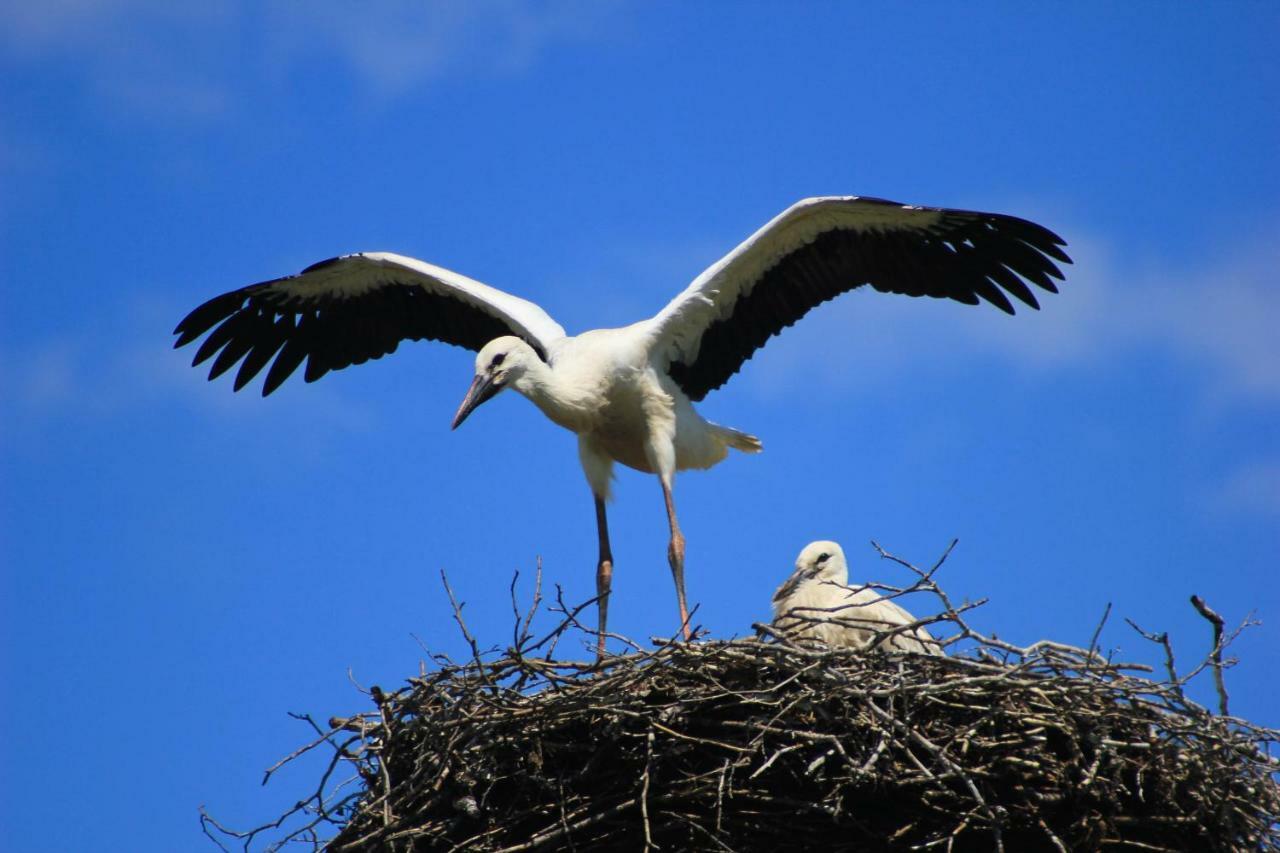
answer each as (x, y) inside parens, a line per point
(604, 573)
(598, 467)
(675, 556)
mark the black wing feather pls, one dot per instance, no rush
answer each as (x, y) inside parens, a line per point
(268, 345)
(291, 355)
(262, 321)
(967, 257)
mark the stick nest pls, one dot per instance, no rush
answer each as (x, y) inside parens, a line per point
(762, 744)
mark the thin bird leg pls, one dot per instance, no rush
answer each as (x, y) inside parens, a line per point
(604, 573)
(675, 556)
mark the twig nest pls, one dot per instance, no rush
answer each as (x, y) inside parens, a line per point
(751, 745)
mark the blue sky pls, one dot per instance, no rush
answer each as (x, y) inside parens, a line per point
(183, 565)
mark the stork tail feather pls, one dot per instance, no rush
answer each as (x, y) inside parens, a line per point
(738, 440)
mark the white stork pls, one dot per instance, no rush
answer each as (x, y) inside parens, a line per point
(817, 603)
(627, 392)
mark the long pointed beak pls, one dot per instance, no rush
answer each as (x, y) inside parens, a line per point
(482, 388)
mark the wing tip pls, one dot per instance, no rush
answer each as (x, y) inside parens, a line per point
(327, 262)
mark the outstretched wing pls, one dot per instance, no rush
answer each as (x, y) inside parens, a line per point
(350, 309)
(821, 247)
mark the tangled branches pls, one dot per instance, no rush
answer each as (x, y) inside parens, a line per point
(760, 744)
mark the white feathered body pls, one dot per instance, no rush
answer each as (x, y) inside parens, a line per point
(606, 386)
(862, 615)
(816, 603)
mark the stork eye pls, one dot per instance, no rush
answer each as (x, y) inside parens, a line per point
(822, 558)
(498, 359)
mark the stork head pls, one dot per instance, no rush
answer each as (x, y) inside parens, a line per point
(823, 561)
(499, 365)
(819, 562)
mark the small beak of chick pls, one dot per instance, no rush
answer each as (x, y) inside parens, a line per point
(482, 388)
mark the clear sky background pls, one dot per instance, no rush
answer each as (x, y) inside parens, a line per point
(183, 565)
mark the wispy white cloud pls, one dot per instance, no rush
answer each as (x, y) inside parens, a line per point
(1252, 488)
(1225, 318)
(1216, 319)
(125, 366)
(160, 59)
(41, 379)
(32, 28)
(395, 45)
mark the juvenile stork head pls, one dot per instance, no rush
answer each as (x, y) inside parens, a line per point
(823, 561)
(499, 365)
(820, 562)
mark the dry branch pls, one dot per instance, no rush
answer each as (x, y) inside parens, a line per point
(758, 744)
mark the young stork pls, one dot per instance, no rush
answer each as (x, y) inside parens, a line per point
(817, 603)
(627, 392)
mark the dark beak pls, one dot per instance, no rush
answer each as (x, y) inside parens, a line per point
(482, 388)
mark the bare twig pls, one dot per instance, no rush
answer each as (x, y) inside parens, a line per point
(1093, 641)
(1216, 654)
(1162, 639)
